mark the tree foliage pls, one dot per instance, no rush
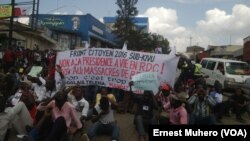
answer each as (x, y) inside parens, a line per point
(136, 39)
(140, 40)
(124, 24)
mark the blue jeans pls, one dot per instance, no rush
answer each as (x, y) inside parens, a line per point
(98, 127)
(208, 120)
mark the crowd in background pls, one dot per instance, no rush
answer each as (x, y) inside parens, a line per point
(41, 109)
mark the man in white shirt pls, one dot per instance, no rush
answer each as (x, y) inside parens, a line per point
(80, 103)
(47, 88)
(104, 121)
(218, 98)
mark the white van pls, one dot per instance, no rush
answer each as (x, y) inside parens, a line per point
(230, 73)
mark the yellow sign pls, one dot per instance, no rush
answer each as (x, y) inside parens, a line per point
(5, 11)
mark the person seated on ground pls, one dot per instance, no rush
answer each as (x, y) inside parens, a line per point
(238, 103)
(14, 99)
(177, 112)
(4, 120)
(17, 117)
(25, 94)
(46, 88)
(76, 97)
(103, 119)
(104, 92)
(63, 115)
(145, 115)
(202, 105)
(218, 109)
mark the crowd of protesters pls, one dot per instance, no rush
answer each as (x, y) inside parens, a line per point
(41, 109)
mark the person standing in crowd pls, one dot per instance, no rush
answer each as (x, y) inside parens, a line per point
(103, 119)
(162, 98)
(202, 105)
(8, 59)
(218, 98)
(127, 103)
(178, 114)
(146, 104)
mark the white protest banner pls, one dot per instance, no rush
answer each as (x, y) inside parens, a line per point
(113, 68)
(146, 81)
(35, 70)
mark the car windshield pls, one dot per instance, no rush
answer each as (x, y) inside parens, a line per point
(237, 68)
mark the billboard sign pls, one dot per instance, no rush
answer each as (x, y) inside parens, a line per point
(5, 11)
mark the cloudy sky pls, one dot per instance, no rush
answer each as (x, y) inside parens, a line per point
(182, 22)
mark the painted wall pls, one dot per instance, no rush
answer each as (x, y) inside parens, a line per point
(80, 23)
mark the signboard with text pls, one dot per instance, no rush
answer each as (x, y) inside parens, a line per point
(113, 68)
(5, 11)
(146, 81)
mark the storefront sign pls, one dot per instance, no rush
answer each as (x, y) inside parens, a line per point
(5, 11)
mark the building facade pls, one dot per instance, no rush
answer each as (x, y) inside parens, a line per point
(91, 30)
(226, 51)
(66, 39)
(192, 51)
(246, 49)
(25, 37)
(141, 23)
(44, 38)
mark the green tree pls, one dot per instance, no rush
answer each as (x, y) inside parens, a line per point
(159, 41)
(124, 24)
(136, 39)
(139, 40)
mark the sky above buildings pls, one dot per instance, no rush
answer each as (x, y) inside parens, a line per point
(182, 22)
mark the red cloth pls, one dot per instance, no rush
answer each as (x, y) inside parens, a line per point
(9, 56)
(33, 113)
(51, 74)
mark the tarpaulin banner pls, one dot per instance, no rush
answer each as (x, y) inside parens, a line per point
(113, 68)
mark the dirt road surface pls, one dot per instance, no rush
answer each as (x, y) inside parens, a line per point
(128, 132)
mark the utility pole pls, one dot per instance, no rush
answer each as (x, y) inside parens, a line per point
(11, 22)
(190, 41)
(193, 47)
(230, 40)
